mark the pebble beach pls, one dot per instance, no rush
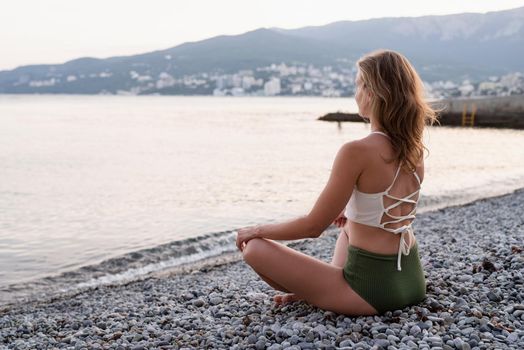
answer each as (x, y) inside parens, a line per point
(473, 257)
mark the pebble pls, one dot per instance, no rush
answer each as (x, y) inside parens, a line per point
(382, 343)
(415, 330)
(465, 278)
(512, 337)
(260, 344)
(198, 302)
(494, 296)
(346, 343)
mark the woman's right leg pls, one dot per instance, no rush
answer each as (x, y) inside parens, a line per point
(320, 283)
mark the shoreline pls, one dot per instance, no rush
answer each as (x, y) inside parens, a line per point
(474, 298)
(209, 248)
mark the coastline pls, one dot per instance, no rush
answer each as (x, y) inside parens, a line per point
(180, 255)
(474, 298)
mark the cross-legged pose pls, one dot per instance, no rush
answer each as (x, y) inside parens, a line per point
(372, 193)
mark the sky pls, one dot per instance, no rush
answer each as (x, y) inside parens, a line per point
(55, 31)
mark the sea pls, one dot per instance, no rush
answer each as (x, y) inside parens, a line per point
(106, 189)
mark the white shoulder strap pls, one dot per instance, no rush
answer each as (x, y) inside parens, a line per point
(394, 179)
(418, 178)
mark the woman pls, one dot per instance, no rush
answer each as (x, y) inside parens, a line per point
(372, 192)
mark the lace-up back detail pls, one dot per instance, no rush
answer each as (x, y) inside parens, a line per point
(368, 209)
(398, 202)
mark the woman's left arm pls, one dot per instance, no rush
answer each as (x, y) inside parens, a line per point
(346, 169)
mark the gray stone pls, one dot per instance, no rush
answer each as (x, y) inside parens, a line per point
(415, 330)
(306, 345)
(260, 344)
(198, 302)
(384, 343)
(494, 296)
(215, 300)
(512, 337)
(346, 343)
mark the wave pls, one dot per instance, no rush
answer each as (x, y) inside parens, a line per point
(124, 268)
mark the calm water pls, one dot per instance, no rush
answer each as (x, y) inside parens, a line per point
(120, 183)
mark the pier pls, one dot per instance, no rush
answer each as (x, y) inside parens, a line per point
(492, 112)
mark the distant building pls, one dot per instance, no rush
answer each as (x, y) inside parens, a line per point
(164, 80)
(247, 82)
(237, 91)
(237, 80)
(330, 93)
(40, 83)
(296, 88)
(486, 87)
(308, 85)
(466, 89)
(218, 92)
(272, 87)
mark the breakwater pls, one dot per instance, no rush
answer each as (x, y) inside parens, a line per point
(494, 112)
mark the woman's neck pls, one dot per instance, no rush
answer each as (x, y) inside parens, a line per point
(375, 126)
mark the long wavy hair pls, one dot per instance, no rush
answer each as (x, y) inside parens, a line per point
(398, 103)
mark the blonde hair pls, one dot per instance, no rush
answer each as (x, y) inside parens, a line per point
(398, 103)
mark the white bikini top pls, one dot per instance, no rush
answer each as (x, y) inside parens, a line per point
(368, 209)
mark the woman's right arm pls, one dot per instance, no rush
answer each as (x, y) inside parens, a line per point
(346, 169)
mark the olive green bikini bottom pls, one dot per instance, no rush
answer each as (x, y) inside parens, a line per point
(376, 279)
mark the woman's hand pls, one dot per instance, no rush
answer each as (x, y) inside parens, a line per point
(341, 220)
(245, 234)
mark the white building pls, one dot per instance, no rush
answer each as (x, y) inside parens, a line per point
(218, 92)
(466, 89)
(308, 85)
(487, 86)
(296, 88)
(164, 80)
(221, 82)
(237, 80)
(272, 87)
(247, 82)
(330, 92)
(237, 91)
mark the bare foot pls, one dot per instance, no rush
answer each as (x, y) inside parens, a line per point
(281, 299)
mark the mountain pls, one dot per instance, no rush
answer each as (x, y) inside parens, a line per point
(460, 46)
(492, 43)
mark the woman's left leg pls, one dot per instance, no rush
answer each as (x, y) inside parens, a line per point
(319, 283)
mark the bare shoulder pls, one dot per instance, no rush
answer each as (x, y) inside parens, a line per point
(354, 152)
(355, 145)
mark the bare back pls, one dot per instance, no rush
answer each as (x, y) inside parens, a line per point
(376, 177)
